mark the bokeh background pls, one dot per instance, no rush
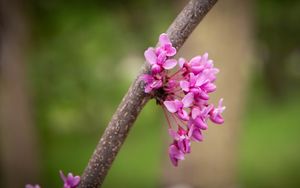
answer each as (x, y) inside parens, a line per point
(65, 66)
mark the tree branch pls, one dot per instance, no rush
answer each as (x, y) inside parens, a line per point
(135, 99)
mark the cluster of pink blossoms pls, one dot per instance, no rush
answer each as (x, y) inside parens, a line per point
(70, 181)
(184, 93)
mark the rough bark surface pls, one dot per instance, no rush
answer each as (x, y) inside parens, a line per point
(135, 99)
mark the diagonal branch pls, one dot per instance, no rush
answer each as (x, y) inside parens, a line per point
(135, 99)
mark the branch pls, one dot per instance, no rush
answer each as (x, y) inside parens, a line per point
(135, 99)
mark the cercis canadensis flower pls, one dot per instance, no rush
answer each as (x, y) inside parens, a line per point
(70, 181)
(183, 94)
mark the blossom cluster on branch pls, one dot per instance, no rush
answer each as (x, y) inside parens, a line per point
(183, 94)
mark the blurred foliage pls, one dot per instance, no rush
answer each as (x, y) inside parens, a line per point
(278, 33)
(269, 149)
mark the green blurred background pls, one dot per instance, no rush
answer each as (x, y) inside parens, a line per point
(83, 55)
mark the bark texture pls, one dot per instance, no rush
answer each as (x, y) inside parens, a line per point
(135, 99)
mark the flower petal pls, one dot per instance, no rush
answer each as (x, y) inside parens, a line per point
(185, 85)
(156, 84)
(147, 78)
(195, 61)
(171, 51)
(148, 89)
(195, 112)
(169, 64)
(170, 105)
(181, 62)
(188, 100)
(164, 39)
(75, 181)
(150, 56)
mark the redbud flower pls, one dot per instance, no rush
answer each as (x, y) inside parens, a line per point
(183, 95)
(166, 45)
(216, 113)
(177, 106)
(70, 181)
(175, 154)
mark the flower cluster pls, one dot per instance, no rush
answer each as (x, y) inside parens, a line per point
(70, 181)
(183, 94)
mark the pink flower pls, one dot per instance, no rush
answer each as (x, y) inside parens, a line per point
(70, 181)
(166, 45)
(159, 62)
(175, 154)
(200, 84)
(177, 106)
(199, 117)
(183, 95)
(151, 82)
(195, 133)
(181, 139)
(216, 113)
(196, 65)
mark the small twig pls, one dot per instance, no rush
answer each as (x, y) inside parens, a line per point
(135, 99)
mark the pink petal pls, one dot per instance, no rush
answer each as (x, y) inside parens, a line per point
(197, 69)
(150, 56)
(195, 61)
(182, 114)
(195, 112)
(169, 64)
(188, 100)
(170, 105)
(210, 87)
(197, 135)
(171, 51)
(156, 84)
(161, 58)
(200, 123)
(217, 119)
(181, 62)
(156, 69)
(148, 89)
(193, 79)
(147, 78)
(75, 181)
(203, 95)
(204, 57)
(175, 152)
(206, 110)
(164, 39)
(185, 85)
(201, 80)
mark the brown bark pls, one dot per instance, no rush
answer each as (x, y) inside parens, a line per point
(133, 102)
(17, 135)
